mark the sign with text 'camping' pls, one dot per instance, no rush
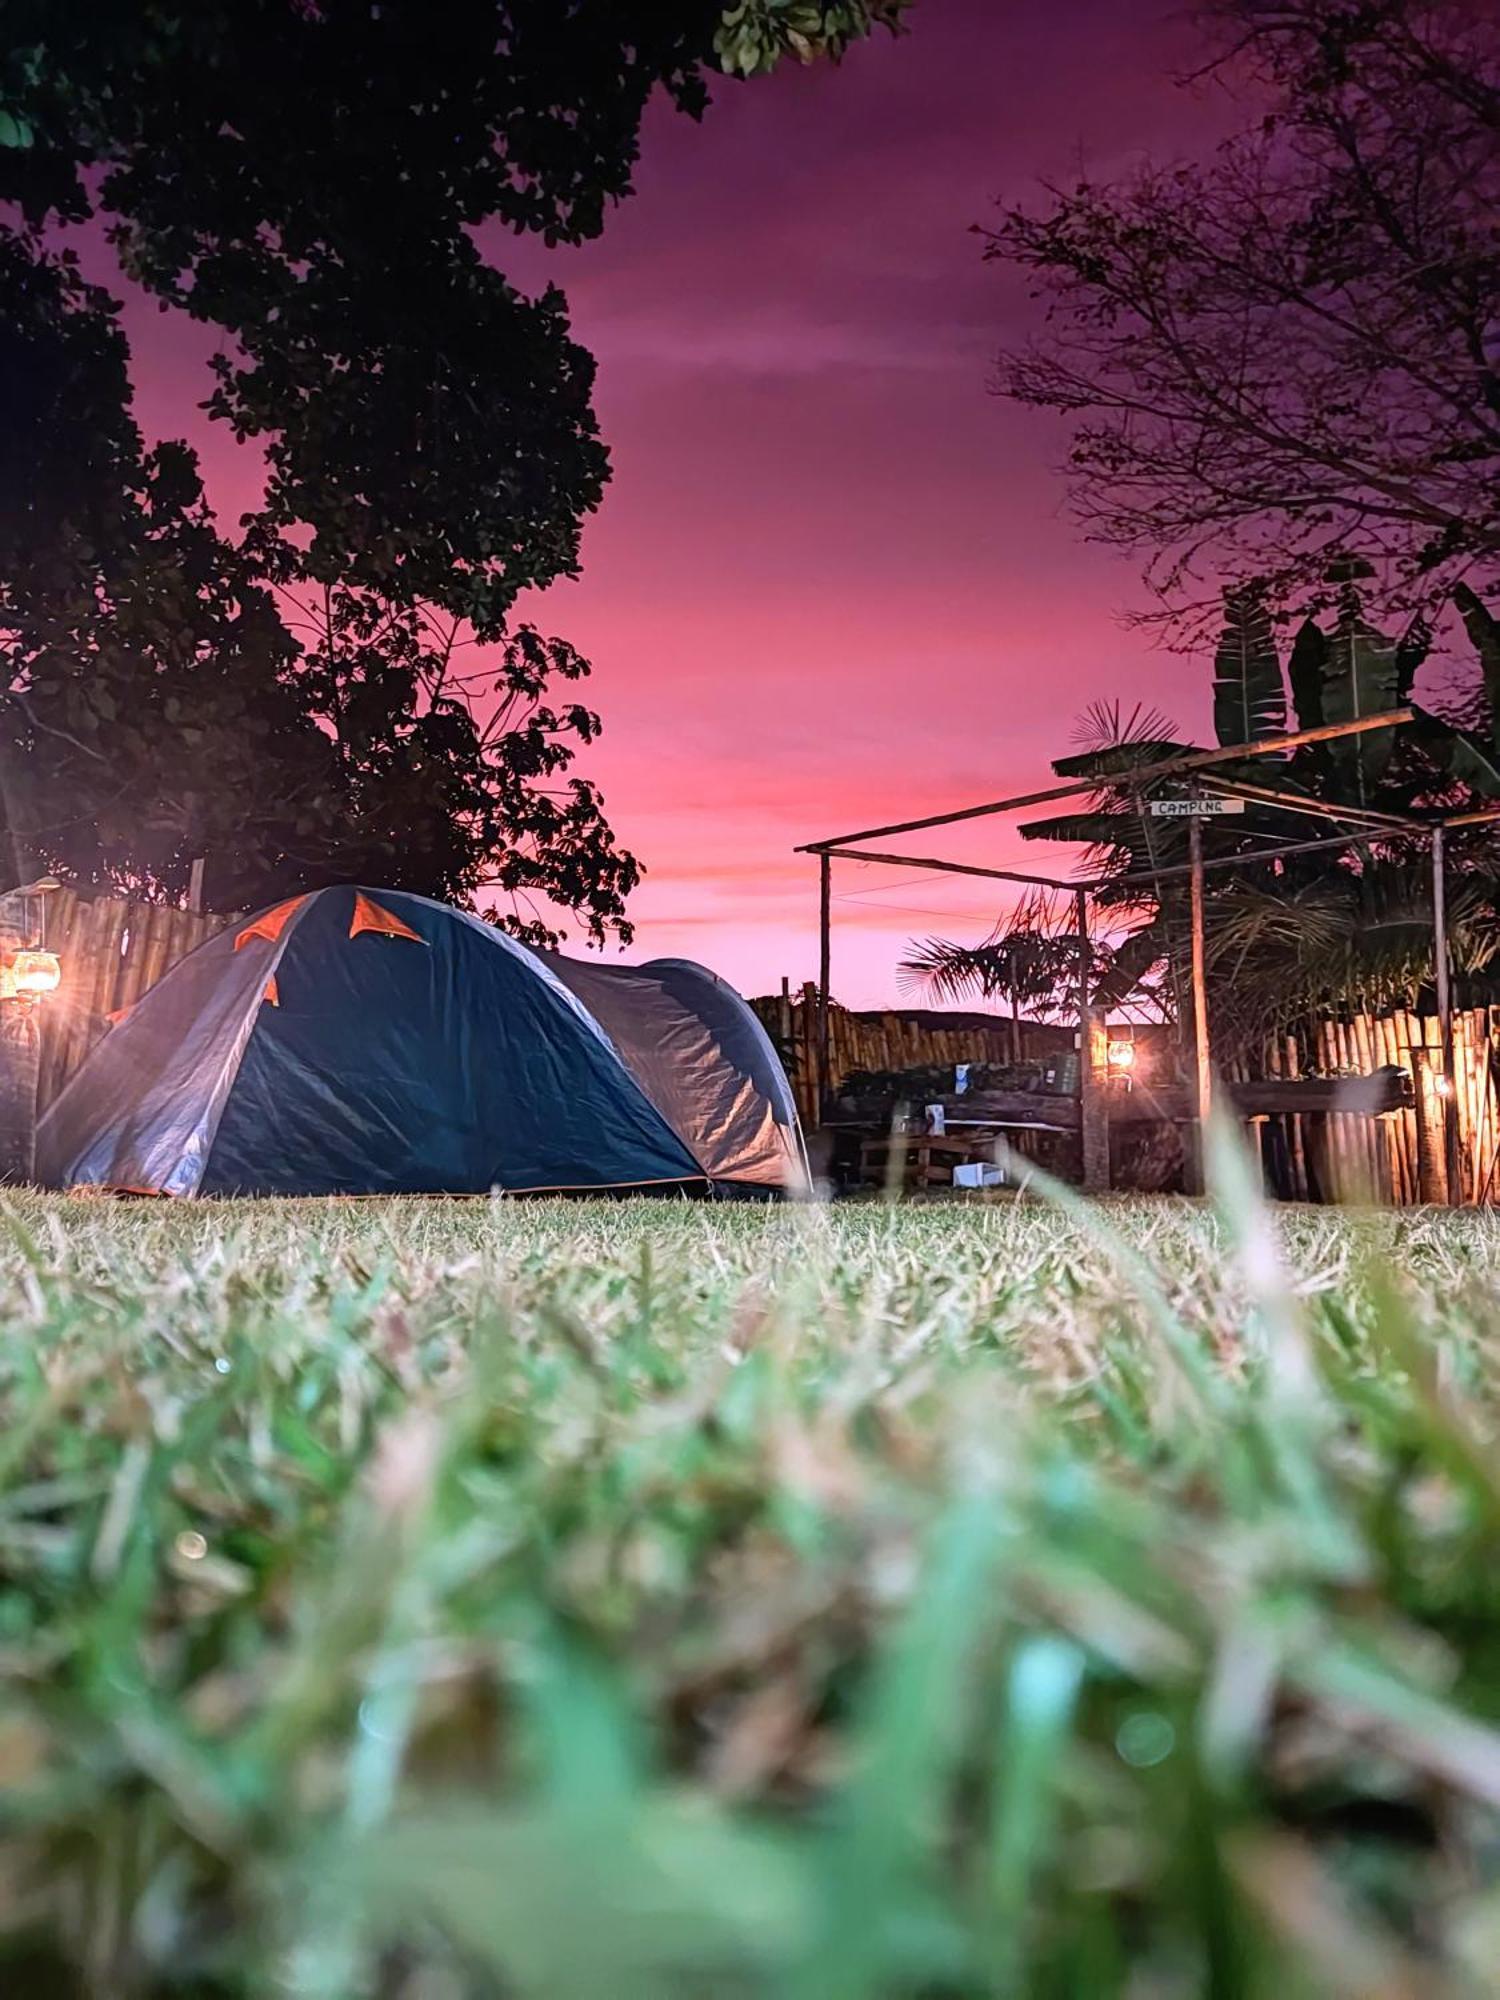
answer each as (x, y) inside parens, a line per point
(1196, 808)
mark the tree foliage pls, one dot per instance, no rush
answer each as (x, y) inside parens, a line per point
(1293, 350)
(307, 180)
(451, 763)
(148, 710)
(325, 186)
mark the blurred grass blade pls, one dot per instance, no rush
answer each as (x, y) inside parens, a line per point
(904, 1750)
(1041, 1694)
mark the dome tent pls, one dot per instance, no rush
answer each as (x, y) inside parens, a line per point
(365, 1041)
(699, 1052)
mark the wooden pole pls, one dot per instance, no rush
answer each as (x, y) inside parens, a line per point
(1441, 981)
(1202, 1055)
(195, 885)
(825, 953)
(1148, 774)
(1093, 1119)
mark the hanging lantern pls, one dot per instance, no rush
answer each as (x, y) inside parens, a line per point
(34, 973)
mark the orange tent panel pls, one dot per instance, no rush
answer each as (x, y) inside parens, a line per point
(369, 916)
(271, 923)
(272, 994)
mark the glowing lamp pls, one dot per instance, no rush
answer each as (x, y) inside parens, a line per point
(35, 972)
(1121, 1056)
(1442, 1084)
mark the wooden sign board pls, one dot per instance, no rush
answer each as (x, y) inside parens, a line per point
(1196, 808)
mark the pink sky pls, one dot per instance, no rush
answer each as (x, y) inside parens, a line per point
(832, 582)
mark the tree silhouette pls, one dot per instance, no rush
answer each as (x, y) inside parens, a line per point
(310, 182)
(1292, 350)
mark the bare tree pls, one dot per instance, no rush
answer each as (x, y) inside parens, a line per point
(1291, 351)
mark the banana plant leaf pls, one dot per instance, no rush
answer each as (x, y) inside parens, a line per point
(1129, 963)
(1249, 694)
(1483, 629)
(1360, 679)
(1414, 646)
(1468, 757)
(1307, 670)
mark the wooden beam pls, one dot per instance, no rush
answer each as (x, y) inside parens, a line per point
(1147, 774)
(1359, 817)
(1177, 869)
(1234, 788)
(1373, 1096)
(941, 867)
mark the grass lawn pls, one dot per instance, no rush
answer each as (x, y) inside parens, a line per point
(441, 1600)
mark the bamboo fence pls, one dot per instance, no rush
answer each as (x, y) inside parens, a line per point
(1396, 1158)
(111, 953)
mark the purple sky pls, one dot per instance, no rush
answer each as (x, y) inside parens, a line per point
(832, 582)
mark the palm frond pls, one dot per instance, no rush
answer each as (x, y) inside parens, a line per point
(952, 972)
(1104, 725)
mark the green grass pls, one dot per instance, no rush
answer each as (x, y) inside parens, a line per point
(435, 1600)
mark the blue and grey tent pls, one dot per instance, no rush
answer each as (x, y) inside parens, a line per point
(366, 1041)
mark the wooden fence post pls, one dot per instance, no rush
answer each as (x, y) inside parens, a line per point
(20, 1051)
(808, 1054)
(20, 1045)
(1432, 1171)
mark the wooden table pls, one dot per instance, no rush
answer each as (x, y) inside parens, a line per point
(927, 1159)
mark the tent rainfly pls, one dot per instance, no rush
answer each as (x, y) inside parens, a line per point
(366, 1041)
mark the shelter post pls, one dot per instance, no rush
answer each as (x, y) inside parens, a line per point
(1442, 982)
(1202, 1055)
(1093, 1113)
(825, 941)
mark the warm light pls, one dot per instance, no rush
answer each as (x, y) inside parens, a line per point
(1443, 1085)
(36, 972)
(1122, 1055)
